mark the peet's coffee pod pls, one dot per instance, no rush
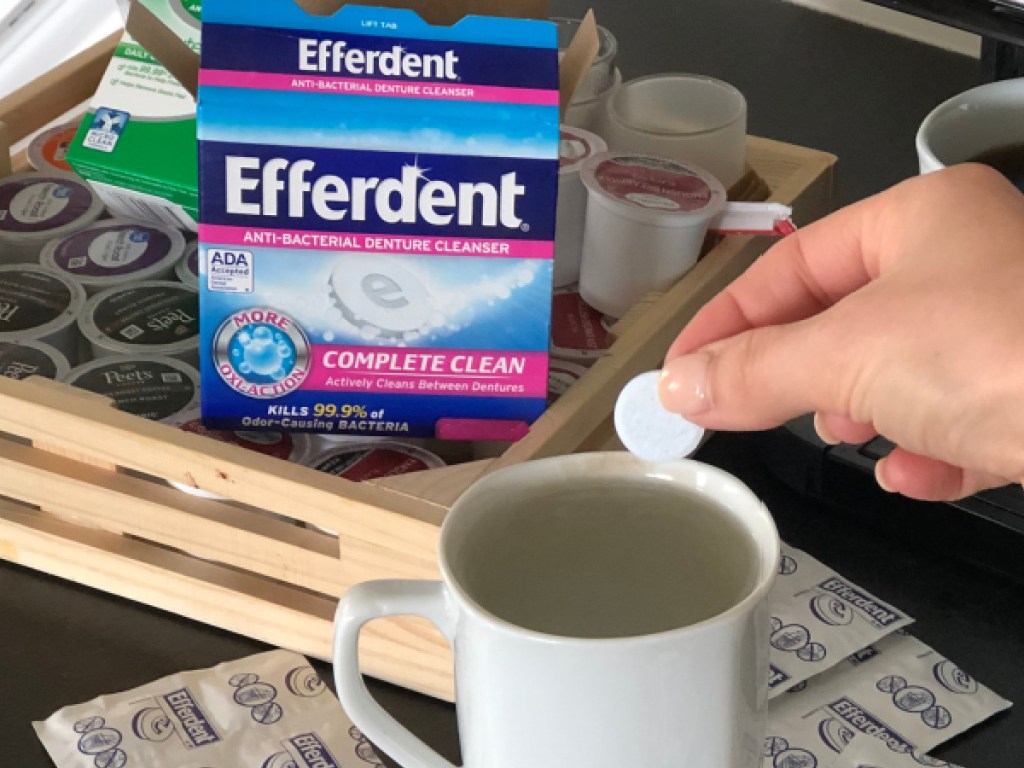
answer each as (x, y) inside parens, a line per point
(371, 459)
(38, 207)
(115, 252)
(21, 359)
(153, 387)
(290, 446)
(647, 429)
(575, 147)
(187, 268)
(155, 317)
(37, 304)
(577, 331)
(47, 152)
(646, 221)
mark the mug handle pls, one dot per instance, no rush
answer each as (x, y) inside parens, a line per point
(359, 605)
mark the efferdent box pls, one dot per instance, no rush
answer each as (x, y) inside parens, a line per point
(377, 208)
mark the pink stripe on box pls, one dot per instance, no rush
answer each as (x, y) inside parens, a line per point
(481, 429)
(466, 373)
(270, 81)
(422, 245)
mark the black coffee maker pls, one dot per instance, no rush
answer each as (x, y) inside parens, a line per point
(1000, 23)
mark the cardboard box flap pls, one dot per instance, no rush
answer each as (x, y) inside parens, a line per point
(182, 62)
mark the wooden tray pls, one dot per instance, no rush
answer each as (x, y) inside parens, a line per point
(85, 498)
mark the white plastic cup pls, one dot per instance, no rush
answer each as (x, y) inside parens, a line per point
(575, 147)
(687, 118)
(155, 317)
(590, 113)
(38, 304)
(980, 119)
(601, 74)
(115, 252)
(646, 221)
(38, 207)
(151, 386)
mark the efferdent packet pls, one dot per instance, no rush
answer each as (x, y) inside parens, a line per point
(898, 691)
(377, 213)
(819, 618)
(271, 710)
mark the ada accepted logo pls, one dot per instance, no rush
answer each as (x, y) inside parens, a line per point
(261, 353)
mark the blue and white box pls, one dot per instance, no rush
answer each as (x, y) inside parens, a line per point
(377, 213)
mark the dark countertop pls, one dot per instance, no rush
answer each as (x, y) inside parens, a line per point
(809, 79)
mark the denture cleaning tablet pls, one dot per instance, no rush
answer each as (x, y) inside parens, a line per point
(647, 429)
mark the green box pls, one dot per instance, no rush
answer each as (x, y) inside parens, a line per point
(137, 143)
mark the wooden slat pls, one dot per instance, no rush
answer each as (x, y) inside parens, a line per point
(400, 650)
(5, 150)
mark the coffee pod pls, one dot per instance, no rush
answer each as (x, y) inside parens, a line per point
(187, 268)
(38, 304)
(589, 111)
(577, 333)
(48, 150)
(575, 147)
(649, 430)
(562, 374)
(153, 387)
(115, 252)
(371, 459)
(645, 224)
(21, 359)
(290, 446)
(38, 207)
(156, 317)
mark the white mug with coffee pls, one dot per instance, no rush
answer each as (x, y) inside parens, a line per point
(604, 612)
(984, 124)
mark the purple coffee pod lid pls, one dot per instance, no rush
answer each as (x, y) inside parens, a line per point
(653, 189)
(151, 386)
(43, 206)
(115, 252)
(151, 317)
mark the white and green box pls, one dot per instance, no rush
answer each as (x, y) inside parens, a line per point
(137, 143)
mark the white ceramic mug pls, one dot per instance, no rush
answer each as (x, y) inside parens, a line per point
(983, 118)
(604, 612)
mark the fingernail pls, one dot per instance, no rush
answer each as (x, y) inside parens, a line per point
(684, 384)
(823, 431)
(880, 477)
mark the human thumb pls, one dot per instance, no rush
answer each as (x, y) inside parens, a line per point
(754, 380)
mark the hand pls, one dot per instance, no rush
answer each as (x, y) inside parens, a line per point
(901, 315)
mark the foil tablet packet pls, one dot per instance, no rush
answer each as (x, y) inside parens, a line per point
(271, 710)
(865, 752)
(818, 619)
(898, 692)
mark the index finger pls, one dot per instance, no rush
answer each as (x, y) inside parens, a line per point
(800, 276)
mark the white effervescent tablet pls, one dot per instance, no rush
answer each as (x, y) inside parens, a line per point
(647, 429)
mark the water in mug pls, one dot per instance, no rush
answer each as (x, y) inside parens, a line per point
(603, 558)
(1008, 160)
